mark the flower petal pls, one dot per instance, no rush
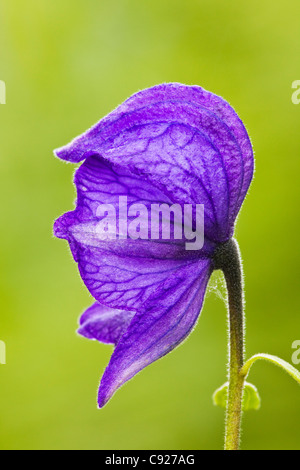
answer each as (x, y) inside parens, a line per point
(104, 324)
(121, 274)
(187, 141)
(168, 317)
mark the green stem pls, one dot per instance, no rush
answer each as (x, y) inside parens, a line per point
(292, 371)
(227, 258)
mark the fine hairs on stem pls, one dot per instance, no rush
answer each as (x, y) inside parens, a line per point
(227, 258)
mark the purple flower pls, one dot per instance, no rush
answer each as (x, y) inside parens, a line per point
(172, 144)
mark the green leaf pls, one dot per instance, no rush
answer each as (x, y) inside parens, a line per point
(251, 398)
(220, 396)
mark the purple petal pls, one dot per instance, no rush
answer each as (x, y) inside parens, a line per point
(168, 317)
(169, 144)
(104, 324)
(187, 141)
(121, 274)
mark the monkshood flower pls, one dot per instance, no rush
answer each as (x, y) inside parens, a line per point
(170, 144)
(162, 181)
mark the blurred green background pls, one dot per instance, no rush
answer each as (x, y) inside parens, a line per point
(66, 64)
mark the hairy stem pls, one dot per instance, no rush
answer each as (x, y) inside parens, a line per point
(292, 371)
(227, 258)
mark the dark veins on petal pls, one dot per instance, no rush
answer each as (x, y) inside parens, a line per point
(172, 144)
